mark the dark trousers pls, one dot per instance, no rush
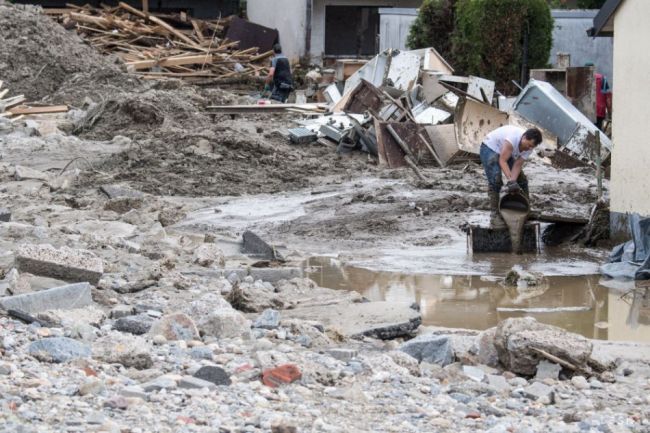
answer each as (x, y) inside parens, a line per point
(490, 161)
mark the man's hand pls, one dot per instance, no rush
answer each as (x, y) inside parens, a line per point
(512, 187)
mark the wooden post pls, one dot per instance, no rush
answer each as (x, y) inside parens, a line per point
(145, 6)
(599, 170)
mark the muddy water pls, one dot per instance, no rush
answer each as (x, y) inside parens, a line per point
(515, 220)
(578, 304)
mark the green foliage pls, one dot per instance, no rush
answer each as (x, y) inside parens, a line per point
(489, 36)
(433, 27)
(591, 4)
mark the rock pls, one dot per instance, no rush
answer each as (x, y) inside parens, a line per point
(269, 319)
(26, 173)
(487, 352)
(341, 354)
(91, 386)
(383, 320)
(253, 245)
(515, 339)
(58, 349)
(274, 275)
(203, 352)
(177, 326)
(580, 382)
(5, 215)
(434, 349)
(213, 374)
(134, 391)
(215, 317)
(539, 390)
(498, 383)
(125, 349)
(138, 325)
(120, 311)
(547, 370)
(474, 373)
(64, 298)
(281, 375)
(160, 383)
(170, 216)
(16, 283)
(64, 263)
(189, 382)
(209, 255)
(117, 191)
(123, 205)
(159, 340)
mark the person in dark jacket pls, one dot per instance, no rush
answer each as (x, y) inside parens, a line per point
(280, 76)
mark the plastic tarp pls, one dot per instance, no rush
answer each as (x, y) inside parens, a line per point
(631, 260)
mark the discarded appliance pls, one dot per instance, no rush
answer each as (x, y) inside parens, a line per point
(391, 138)
(474, 121)
(392, 67)
(543, 105)
(575, 83)
(443, 140)
(302, 135)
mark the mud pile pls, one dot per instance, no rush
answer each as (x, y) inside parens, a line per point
(37, 55)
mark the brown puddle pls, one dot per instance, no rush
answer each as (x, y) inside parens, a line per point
(577, 304)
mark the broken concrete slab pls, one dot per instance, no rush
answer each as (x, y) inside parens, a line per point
(117, 191)
(26, 173)
(273, 275)
(431, 348)
(64, 263)
(255, 246)
(59, 298)
(383, 320)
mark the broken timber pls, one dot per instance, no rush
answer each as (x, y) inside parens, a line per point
(263, 109)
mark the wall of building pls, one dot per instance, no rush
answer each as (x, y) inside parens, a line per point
(318, 19)
(289, 17)
(570, 36)
(395, 25)
(630, 183)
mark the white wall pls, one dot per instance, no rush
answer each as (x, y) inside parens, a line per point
(630, 184)
(288, 17)
(318, 18)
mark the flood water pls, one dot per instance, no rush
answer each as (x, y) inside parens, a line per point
(578, 304)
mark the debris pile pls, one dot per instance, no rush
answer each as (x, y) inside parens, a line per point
(153, 48)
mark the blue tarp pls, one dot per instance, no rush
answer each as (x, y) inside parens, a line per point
(631, 260)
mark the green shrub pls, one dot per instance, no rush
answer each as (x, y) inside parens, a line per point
(433, 27)
(489, 36)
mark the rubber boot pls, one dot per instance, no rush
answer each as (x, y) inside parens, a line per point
(496, 221)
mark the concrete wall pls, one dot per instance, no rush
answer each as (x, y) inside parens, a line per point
(318, 19)
(395, 25)
(630, 183)
(570, 36)
(289, 17)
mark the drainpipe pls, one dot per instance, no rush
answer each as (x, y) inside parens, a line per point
(308, 18)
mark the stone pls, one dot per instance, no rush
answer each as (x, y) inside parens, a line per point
(189, 382)
(213, 374)
(60, 298)
(580, 382)
(26, 173)
(273, 275)
(474, 373)
(117, 402)
(434, 349)
(125, 349)
(341, 354)
(539, 390)
(58, 349)
(486, 351)
(209, 255)
(170, 216)
(202, 352)
(134, 391)
(67, 264)
(5, 215)
(516, 339)
(269, 319)
(117, 191)
(383, 320)
(281, 375)
(174, 327)
(159, 383)
(253, 245)
(498, 383)
(547, 370)
(138, 324)
(120, 311)
(123, 205)
(91, 386)
(216, 318)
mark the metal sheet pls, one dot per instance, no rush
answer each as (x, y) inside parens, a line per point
(389, 152)
(400, 69)
(581, 90)
(443, 140)
(432, 116)
(365, 97)
(252, 35)
(474, 121)
(476, 84)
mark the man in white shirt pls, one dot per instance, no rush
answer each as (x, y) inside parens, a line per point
(505, 150)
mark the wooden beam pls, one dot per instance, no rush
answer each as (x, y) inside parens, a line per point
(145, 6)
(170, 61)
(39, 110)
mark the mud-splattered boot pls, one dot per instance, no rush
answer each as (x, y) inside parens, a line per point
(496, 221)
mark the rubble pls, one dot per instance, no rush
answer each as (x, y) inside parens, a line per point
(64, 263)
(65, 297)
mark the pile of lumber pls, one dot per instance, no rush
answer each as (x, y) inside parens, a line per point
(14, 107)
(152, 47)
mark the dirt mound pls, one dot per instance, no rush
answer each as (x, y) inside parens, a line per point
(37, 55)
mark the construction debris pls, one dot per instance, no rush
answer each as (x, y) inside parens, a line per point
(14, 107)
(153, 48)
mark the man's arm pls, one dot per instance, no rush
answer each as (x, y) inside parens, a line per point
(516, 168)
(269, 77)
(506, 153)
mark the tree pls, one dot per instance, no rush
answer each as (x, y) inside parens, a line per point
(490, 38)
(433, 27)
(591, 4)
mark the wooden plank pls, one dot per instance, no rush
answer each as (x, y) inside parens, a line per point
(170, 61)
(39, 110)
(256, 109)
(13, 101)
(3, 93)
(145, 6)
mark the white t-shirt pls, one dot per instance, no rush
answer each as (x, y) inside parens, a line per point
(496, 139)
